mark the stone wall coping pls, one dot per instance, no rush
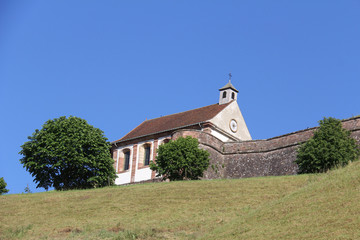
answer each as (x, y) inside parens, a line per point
(265, 148)
(261, 145)
(303, 130)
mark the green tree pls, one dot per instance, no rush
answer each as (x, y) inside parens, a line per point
(68, 153)
(3, 186)
(330, 146)
(181, 159)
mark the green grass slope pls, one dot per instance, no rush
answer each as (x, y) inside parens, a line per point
(327, 208)
(324, 206)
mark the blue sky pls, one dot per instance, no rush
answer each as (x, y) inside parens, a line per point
(116, 63)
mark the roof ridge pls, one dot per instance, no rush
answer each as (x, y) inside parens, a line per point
(175, 120)
(148, 120)
(183, 112)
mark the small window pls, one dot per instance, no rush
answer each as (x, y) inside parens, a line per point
(224, 94)
(147, 155)
(233, 95)
(127, 160)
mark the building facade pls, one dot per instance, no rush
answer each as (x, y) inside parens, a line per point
(133, 153)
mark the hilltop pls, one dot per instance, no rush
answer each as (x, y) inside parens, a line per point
(313, 206)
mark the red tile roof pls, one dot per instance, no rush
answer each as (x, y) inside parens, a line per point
(174, 121)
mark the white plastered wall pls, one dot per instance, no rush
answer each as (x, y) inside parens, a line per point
(124, 177)
(223, 118)
(143, 174)
(219, 135)
(228, 97)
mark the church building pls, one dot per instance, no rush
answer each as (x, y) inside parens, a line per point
(134, 152)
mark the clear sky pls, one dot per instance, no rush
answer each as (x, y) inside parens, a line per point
(116, 63)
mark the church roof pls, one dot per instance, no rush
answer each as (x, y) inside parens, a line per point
(229, 85)
(174, 121)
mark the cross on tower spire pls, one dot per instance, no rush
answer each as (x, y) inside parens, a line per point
(230, 77)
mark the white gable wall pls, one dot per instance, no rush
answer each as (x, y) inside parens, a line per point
(223, 118)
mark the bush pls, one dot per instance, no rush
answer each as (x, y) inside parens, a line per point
(68, 153)
(181, 159)
(331, 146)
(3, 186)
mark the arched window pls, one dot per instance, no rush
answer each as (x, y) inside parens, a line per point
(224, 94)
(233, 95)
(147, 155)
(144, 155)
(126, 159)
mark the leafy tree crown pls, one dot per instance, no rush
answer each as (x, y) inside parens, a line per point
(181, 159)
(68, 153)
(3, 186)
(330, 146)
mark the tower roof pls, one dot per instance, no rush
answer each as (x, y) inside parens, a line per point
(229, 85)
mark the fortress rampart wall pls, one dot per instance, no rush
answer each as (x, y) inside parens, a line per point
(269, 157)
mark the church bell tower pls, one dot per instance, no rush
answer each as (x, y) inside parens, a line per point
(228, 93)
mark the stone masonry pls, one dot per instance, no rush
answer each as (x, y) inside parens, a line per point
(269, 157)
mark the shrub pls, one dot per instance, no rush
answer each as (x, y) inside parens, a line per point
(181, 159)
(330, 146)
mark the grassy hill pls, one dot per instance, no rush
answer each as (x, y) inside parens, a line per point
(322, 206)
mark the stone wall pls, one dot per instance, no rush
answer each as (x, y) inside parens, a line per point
(269, 157)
